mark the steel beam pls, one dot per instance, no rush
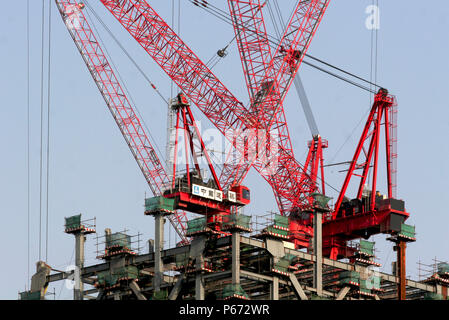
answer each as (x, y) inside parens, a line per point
(199, 287)
(342, 294)
(148, 261)
(197, 251)
(297, 287)
(176, 289)
(136, 289)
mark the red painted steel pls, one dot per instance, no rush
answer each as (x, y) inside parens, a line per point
(208, 93)
(314, 163)
(268, 79)
(254, 48)
(192, 138)
(121, 109)
(366, 218)
(370, 137)
(401, 265)
(300, 223)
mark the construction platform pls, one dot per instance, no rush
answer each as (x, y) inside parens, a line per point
(256, 276)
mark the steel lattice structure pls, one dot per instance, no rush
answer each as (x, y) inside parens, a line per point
(384, 105)
(213, 98)
(118, 104)
(268, 78)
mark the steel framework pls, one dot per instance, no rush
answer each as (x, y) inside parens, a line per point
(121, 109)
(268, 79)
(213, 98)
(192, 140)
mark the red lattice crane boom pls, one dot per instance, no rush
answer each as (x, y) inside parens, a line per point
(292, 184)
(121, 109)
(268, 79)
(253, 44)
(204, 90)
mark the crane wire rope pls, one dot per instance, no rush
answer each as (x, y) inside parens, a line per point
(123, 83)
(134, 62)
(370, 82)
(48, 130)
(41, 126)
(120, 78)
(126, 52)
(373, 58)
(28, 140)
(172, 84)
(227, 19)
(273, 42)
(277, 25)
(211, 63)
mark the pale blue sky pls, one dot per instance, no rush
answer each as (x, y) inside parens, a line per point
(92, 170)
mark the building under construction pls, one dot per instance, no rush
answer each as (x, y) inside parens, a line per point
(308, 249)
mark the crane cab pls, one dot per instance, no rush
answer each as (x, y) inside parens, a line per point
(239, 194)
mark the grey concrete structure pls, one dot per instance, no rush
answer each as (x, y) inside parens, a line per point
(318, 253)
(256, 277)
(158, 247)
(235, 257)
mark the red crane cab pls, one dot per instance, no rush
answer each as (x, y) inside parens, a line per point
(242, 194)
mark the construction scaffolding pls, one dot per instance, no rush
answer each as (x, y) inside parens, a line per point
(268, 268)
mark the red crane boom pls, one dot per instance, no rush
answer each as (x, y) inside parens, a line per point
(268, 79)
(205, 90)
(117, 102)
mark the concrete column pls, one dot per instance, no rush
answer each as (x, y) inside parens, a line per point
(158, 247)
(79, 262)
(318, 252)
(199, 280)
(274, 289)
(199, 287)
(235, 257)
